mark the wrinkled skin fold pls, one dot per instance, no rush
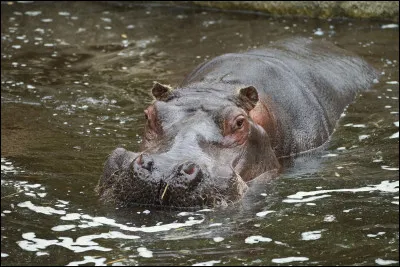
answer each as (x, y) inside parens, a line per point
(230, 121)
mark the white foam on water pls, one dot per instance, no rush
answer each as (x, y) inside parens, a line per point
(289, 259)
(47, 20)
(40, 30)
(4, 255)
(355, 125)
(33, 13)
(390, 26)
(106, 19)
(20, 186)
(375, 235)
(30, 194)
(7, 167)
(330, 155)
(363, 136)
(31, 243)
(97, 221)
(329, 218)
(218, 239)
(319, 32)
(71, 217)
(281, 243)
(205, 210)
(40, 209)
(305, 199)
(89, 225)
(312, 235)
(256, 238)
(65, 227)
(206, 263)
(144, 252)
(82, 243)
(39, 253)
(380, 261)
(89, 259)
(263, 213)
(392, 82)
(384, 186)
(395, 135)
(390, 169)
(33, 185)
(64, 13)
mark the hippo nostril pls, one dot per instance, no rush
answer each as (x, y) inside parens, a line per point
(191, 172)
(149, 166)
(189, 168)
(145, 162)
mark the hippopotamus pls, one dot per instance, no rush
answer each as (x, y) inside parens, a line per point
(232, 119)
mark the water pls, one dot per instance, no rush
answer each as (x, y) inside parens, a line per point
(75, 78)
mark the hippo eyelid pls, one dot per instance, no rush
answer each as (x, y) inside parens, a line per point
(239, 122)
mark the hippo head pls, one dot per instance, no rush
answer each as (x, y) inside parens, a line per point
(200, 147)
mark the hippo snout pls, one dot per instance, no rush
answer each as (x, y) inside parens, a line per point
(155, 180)
(184, 175)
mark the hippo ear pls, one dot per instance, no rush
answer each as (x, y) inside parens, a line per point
(161, 92)
(248, 97)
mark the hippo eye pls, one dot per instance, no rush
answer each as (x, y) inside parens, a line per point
(235, 131)
(239, 123)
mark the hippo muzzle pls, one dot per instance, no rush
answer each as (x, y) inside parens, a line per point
(132, 178)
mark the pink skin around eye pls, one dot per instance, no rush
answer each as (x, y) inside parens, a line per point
(152, 127)
(234, 134)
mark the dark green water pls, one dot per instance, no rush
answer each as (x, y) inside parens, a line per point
(75, 78)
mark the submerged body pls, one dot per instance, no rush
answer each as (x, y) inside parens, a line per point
(231, 119)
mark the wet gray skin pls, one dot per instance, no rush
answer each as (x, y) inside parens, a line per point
(230, 121)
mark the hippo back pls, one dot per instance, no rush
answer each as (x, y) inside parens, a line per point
(306, 84)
